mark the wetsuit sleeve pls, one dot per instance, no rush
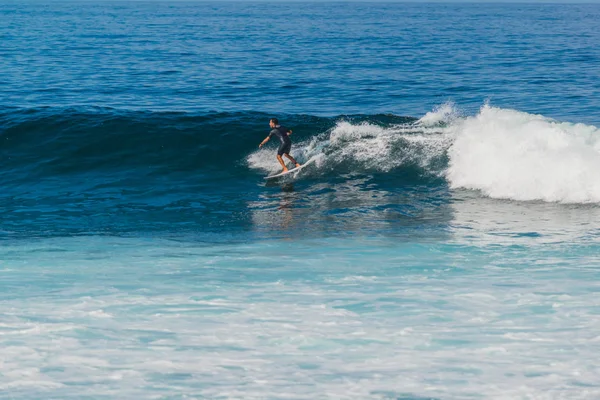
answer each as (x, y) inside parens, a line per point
(272, 132)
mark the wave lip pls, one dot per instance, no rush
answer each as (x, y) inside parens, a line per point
(515, 155)
(443, 114)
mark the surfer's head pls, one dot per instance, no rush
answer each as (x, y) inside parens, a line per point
(273, 122)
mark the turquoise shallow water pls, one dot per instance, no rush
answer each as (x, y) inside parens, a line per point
(494, 310)
(444, 244)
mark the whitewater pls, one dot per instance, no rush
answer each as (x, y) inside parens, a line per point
(502, 153)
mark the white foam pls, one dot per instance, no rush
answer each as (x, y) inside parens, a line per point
(363, 147)
(365, 144)
(502, 153)
(234, 323)
(515, 155)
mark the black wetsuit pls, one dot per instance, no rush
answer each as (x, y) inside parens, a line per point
(282, 134)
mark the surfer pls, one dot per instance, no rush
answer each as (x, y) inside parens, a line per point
(283, 134)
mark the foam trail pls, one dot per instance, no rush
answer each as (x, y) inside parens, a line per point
(515, 155)
(366, 147)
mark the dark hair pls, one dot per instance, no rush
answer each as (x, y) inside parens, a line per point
(275, 121)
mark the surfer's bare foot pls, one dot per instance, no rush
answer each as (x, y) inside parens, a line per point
(298, 165)
(284, 169)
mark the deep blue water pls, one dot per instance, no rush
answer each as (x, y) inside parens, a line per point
(302, 58)
(444, 244)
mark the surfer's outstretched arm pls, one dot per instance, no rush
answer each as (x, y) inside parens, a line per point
(264, 141)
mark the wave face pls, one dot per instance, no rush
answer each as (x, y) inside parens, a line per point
(501, 153)
(46, 143)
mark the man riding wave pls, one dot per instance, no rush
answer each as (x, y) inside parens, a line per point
(283, 134)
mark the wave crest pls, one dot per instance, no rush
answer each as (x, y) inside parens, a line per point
(515, 155)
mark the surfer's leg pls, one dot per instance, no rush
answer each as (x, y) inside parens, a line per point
(284, 148)
(292, 159)
(281, 162)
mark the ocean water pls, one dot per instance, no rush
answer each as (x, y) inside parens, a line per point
(445, 243)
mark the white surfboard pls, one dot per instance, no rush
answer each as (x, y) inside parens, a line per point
(289, 171)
